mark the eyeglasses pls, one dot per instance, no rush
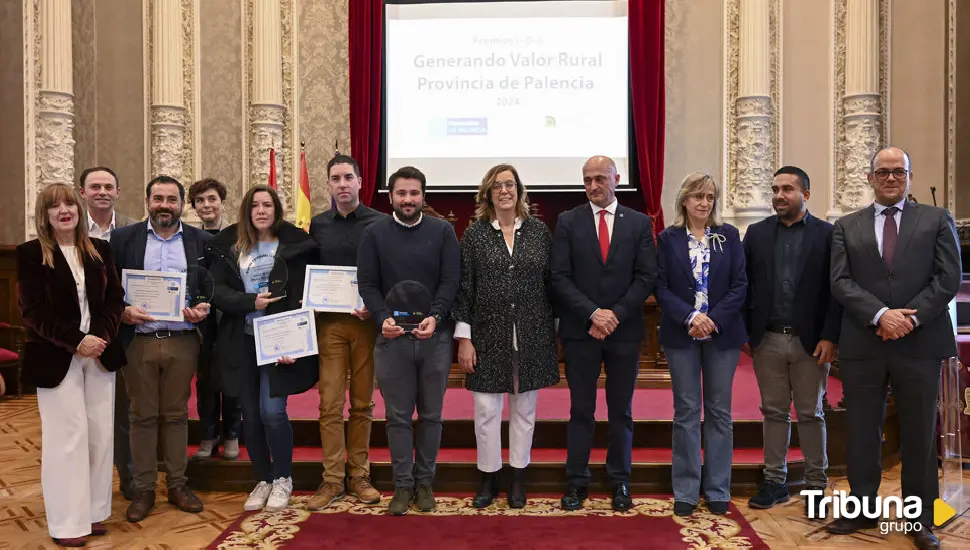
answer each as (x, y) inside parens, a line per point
(702, 196)
(499, 185)
(898, 173)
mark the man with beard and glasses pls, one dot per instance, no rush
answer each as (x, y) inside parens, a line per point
(162, 355)
(793, 325)
(412, 369)
(100, 189)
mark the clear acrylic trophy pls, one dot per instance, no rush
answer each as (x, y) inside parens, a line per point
(953, 409)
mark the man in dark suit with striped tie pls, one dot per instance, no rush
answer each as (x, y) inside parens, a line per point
(604, 264)
(895, 269)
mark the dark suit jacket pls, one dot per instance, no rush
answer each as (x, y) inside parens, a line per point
(815, 314)
(726, 288)
(50, 309)
(128, 245)
(583, 283)
(926, 276)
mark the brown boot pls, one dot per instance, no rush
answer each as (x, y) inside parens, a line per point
(326, 494)
(141, 505)
(361, 488)
(184, 499)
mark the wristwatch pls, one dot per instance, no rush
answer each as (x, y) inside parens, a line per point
(437, 318)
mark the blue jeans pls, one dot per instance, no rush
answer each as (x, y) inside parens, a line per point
(269, 435)
(688, 366)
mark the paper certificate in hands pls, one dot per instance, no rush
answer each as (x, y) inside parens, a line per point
(331, 288)
(160, 293)
(291, 333)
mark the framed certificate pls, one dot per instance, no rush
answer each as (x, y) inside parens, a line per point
(291, 333)
(331, 288)
(160, 293)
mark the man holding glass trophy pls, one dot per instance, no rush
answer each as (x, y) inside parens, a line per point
(409, 268)
(346, 337)
(167, 289)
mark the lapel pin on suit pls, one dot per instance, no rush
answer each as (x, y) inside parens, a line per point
(718, 240)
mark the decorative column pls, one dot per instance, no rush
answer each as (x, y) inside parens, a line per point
(859, 111)
(167, 105)
(266, 110)
(752, 147)
(54, 152)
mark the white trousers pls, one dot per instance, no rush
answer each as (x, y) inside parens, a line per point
(77, 449)
(488, 428)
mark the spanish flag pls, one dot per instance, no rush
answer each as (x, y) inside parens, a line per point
(272, 169)
(303, 196)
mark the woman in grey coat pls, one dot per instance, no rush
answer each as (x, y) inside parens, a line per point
(505, 325)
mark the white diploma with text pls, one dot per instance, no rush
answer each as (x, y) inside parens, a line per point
(160, 293)
(292, 334)
(331, 288)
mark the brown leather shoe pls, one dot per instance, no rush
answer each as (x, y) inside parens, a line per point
(76, 542)
(325, 496)
(98, 529)
(361, 488)
(141, 505)
(184, 499)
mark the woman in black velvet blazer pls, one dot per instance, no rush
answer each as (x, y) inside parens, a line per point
(71, 301)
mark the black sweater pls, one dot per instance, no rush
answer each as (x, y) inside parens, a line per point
(390, 253)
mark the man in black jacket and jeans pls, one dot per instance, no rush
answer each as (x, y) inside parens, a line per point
(793, 326)
(412, 369)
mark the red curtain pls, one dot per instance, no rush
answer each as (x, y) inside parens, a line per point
(365, 41)
(646, 36)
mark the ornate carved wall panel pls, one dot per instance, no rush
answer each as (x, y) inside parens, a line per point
(324, 108)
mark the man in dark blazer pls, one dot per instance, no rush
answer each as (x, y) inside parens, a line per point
(895, 269)
(162, 355)
(100, 189)
(603, 268)
(792, 333)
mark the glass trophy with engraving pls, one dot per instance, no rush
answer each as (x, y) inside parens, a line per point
(953, 411)
(409, 303)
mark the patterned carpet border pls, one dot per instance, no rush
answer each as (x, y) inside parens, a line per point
(702, 530)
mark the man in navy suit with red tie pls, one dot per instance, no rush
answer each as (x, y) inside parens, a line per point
(603, 268)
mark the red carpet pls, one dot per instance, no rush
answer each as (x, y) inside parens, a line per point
(455, 525)
(553, 404)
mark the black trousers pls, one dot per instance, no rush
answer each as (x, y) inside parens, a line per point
(219, 414)
(122, 432)
(583, 364)
(915, 385)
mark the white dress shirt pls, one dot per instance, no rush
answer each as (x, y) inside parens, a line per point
(611, 213)
(77, 269)
(94, 230)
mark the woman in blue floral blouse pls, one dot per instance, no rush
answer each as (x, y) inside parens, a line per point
(701, 287)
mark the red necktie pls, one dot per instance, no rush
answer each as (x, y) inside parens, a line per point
(604, 235)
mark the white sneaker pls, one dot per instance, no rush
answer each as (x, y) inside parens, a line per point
(257, 499)
(279, 497)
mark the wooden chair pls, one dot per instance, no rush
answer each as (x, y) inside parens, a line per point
(11, 351)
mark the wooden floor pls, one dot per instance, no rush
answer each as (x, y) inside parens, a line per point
(22, 522)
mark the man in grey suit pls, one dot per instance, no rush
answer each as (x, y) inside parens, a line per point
(100, 189)
(895, 268)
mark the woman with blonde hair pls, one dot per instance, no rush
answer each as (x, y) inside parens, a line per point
(71, 301)
(701, 287)
(505, 326)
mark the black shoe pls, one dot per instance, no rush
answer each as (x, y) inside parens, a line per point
(818, 512)
(771, 493)
(683, 508)
(846, 526)
(717, 507)
(517, 498)
(487, 490)
(925, 539)
(574, 498)
(621, 497)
